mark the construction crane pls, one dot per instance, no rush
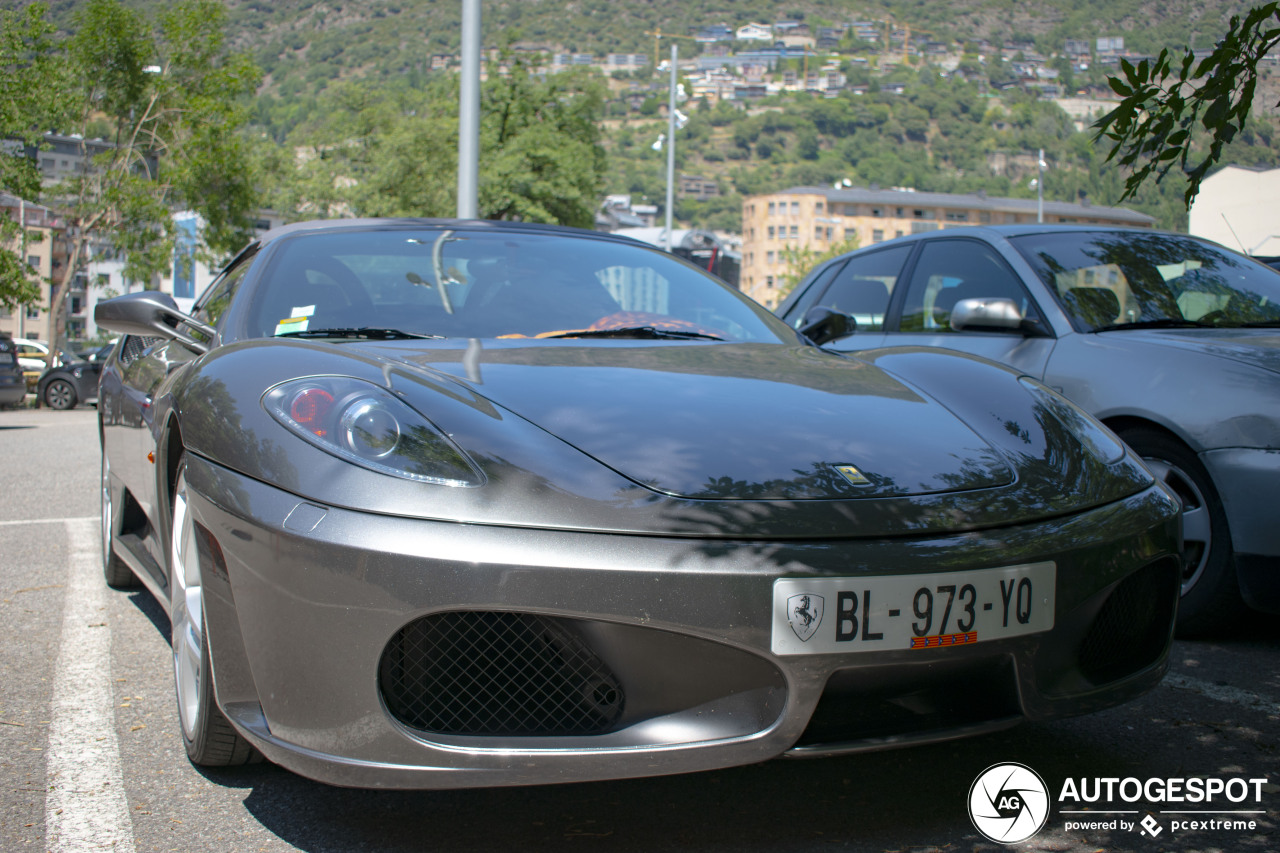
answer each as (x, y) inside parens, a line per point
(890, 26)
(658, 35)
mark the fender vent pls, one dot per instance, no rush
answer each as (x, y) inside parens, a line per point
(490, 673)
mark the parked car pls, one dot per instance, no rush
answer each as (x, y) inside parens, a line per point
(1169, 340)
(32, 355)
(444, 504)
(73, 381)
(13, 385)
(96, 354)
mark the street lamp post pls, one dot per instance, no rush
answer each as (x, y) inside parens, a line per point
(671, 150)
(1040, 188)
(469, 113)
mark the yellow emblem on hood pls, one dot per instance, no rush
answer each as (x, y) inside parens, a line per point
(853, 475)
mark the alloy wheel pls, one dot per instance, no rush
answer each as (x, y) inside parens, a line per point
(60, 395)
(1197, 531)
(186, 611)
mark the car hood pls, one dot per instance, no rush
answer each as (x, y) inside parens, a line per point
(711, 421)
(1256, 347)
(719, 440)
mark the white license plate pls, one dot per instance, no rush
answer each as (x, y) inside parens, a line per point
(930, 611)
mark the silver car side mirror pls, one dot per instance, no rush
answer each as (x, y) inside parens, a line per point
(987, 313)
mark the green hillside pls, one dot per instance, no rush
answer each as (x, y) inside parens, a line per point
(963, 131)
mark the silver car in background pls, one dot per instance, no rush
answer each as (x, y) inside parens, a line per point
(1172, 341)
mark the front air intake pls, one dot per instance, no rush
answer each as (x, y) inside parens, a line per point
(481, 673)
(1132, 628)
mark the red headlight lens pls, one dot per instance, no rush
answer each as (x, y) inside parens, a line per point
(309, 407)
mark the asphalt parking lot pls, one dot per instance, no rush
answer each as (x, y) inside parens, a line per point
(91, 759)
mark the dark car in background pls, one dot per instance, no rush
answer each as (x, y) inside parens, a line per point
(440, 504)
(72, 382)
(1172, 341)
(13, 385)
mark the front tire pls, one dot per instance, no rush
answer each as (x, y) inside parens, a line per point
(1211, 598)
(60, 394)
(210, 740)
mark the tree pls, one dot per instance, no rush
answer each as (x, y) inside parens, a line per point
(32, 98)
(1170, 103)
(380, 151)
(173, 105)
(176, 105)
(800, 259)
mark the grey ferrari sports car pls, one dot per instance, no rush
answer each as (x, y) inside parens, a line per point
(441, 504)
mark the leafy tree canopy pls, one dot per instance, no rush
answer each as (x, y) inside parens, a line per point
(1179, 112)
(375, 150)
(172, 103)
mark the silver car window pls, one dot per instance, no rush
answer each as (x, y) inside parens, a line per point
(1114, 279)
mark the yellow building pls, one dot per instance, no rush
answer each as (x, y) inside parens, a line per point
(45, 254)
(820, 219)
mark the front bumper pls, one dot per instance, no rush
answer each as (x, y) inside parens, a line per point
(308, 609)
(1248, 481)
(12, 389)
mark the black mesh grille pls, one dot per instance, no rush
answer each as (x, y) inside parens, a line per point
(486, 673)
(1132, 628)
(135, 346)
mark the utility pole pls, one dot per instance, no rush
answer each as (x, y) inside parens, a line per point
(1040, 188)
(469, 113)
(671, 150)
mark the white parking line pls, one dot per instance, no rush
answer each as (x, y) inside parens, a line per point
(19, 521)
(86, 808)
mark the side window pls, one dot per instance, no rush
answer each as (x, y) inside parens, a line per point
(815, 282)
(216, 299)
(951, 270)
(862, 289)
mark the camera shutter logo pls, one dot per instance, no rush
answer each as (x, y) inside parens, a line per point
(1009, 803)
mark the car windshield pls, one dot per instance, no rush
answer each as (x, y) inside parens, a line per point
(491, 283)
(1122, 279)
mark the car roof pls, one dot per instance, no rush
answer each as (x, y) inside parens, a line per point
(334, 225)
(991, 232)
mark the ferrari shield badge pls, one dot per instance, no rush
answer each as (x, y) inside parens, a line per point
(853, 475)
(804, 613)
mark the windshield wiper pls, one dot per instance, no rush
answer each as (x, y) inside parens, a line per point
(1259, 324)
(639, 332)
(362, 332)
(1162, 323)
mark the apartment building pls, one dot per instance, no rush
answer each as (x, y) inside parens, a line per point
(823, 218)
(44, 249)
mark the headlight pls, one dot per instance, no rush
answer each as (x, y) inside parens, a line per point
(364, 424)
(1096, 438)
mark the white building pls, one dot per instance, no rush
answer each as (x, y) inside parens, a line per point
(1239, 207)
(755, 32)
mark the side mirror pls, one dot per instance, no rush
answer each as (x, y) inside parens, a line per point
(989, 314)
(151, 313)
(823, 325)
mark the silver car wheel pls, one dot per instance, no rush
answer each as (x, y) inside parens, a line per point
(186, 609)
(59, 394)
(1197, 531)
